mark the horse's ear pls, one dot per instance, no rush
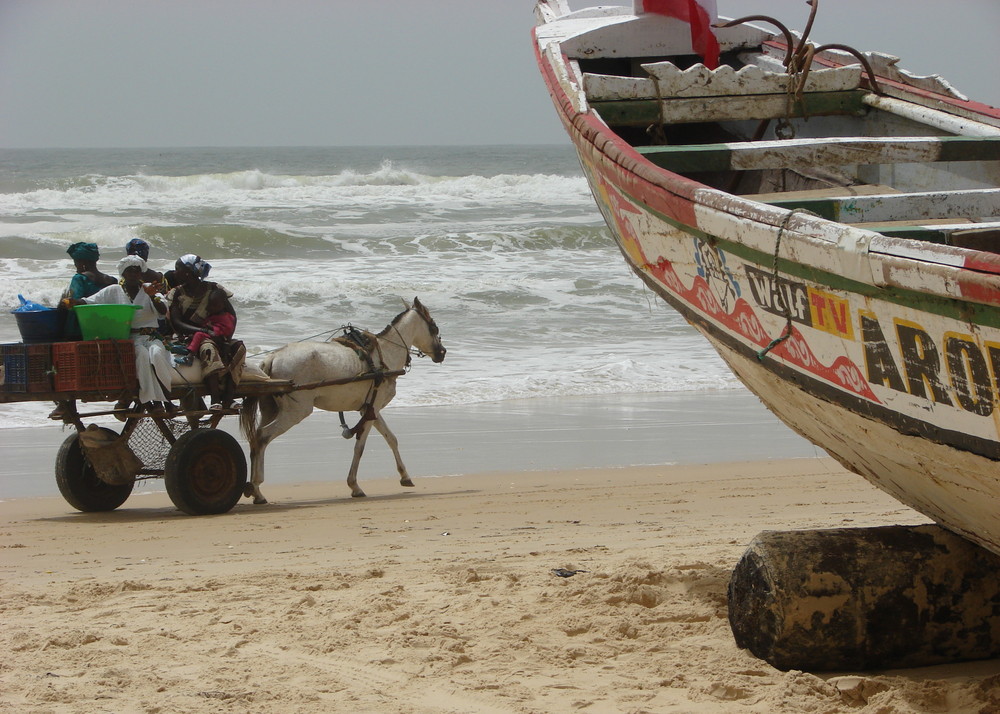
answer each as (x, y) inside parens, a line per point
(406, 305)
(416, 303)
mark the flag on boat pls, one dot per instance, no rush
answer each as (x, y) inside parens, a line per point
(699, 14)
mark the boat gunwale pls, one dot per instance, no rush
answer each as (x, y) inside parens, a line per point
(980, 268)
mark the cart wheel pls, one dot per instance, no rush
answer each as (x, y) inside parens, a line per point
(78, 481)
(205, 472)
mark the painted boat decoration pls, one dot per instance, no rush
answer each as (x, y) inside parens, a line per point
(832, 229)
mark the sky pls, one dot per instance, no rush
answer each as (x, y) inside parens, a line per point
(169, 73)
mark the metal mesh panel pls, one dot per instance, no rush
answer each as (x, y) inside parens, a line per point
(149, 444)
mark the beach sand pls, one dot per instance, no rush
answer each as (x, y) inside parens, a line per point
(435, 599)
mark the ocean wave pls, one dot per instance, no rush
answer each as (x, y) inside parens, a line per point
(89, 190)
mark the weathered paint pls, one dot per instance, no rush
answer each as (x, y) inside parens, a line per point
(885, 352)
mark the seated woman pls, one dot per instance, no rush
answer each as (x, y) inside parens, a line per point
(152, 360)
(137, 246)
(191, 307)
(87, 281)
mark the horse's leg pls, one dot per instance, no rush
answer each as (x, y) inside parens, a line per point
(359, 449)
(277, 416)
(393, 442)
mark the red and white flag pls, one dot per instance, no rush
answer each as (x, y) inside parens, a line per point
(700, 14)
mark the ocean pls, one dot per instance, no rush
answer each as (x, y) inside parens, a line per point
(504, 245)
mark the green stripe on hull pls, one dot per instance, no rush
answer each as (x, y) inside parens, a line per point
(954, 309)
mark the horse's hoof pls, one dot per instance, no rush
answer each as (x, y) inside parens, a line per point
(358, 494)
(248, 491)
(259, 500)
(406, 482)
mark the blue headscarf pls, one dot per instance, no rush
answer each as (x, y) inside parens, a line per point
(84, 251)
(137, 246)
(195, 264)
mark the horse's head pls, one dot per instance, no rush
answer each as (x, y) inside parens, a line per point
(428, 340)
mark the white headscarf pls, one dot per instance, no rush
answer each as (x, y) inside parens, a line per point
(198, 266)
(131, 261)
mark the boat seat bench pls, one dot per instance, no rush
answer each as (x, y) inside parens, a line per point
(979, 236)
(836, 151)
(643, 112)
(931, 205)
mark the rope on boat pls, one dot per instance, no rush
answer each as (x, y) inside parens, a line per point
(657, 131)
(782, 297)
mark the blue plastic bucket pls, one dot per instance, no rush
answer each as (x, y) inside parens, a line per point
(40, 325)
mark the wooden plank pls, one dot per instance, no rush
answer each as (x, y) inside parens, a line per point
(667, 80)
(643, 112)
(837, 151)
(931, 205)
(981, 236)
(861, 189)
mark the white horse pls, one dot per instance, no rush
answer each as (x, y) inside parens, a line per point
(312, 366)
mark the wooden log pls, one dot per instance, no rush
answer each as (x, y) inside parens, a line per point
(868, 598)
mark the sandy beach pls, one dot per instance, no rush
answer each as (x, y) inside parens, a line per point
(440, 598)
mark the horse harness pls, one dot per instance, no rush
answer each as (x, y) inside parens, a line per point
(365, 345)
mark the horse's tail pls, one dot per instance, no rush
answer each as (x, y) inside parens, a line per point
(248, 419)
(251, 407)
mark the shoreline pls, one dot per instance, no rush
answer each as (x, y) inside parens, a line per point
(542, 434)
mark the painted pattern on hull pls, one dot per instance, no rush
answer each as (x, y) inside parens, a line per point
(856, 347)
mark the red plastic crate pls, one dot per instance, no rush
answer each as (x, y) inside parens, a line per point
(39, 367)
(93, 365)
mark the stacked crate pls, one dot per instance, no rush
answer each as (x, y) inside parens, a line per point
(26, 368)
(93, 366)
(88, 366)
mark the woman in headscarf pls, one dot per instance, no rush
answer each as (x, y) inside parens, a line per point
(139, 247)
(88, 279)
(152, 360)
(190, 305)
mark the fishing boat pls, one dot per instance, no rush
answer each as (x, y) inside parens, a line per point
(828, 221)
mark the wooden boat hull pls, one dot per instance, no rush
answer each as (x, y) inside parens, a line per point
(883, 351)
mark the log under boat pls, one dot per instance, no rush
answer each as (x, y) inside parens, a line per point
(829, 222)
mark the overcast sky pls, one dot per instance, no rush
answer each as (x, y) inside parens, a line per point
(140, 73)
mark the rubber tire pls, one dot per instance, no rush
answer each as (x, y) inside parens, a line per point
(205, 472)
(78, 482)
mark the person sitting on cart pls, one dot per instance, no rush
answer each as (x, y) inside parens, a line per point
(153, 365)
(220, 322)
(87, 281)
(137, 246)
(191, 304)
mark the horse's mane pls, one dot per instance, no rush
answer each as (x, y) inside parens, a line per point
(421, 310)
(385, 331)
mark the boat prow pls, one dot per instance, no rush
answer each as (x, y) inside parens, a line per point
(833, 231)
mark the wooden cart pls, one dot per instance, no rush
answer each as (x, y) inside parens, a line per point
(203, 467)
